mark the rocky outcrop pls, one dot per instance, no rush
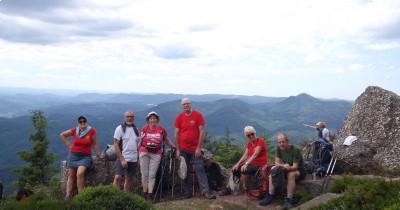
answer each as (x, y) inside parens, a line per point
(375, 120)
(103, 173)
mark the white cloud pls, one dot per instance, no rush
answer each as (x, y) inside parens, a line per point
(198, 42)
(313, 58)
(355, 67)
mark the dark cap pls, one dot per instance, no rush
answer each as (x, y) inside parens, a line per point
(82, 118)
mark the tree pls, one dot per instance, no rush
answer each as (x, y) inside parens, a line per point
(227, 139)
(225, 151)
(270, 147)
(39, 171)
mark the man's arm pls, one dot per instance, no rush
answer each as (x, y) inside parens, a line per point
(200, 144)
(201, 136)
(176, 137)
(278, 161)
(117, 149)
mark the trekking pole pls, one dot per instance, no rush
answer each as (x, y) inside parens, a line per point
(160, 181)
(173, 172)
(330, 165)
(193, 175)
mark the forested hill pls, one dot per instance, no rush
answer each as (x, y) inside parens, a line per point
(104, 112)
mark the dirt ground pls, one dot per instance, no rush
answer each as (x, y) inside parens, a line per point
(230, 202)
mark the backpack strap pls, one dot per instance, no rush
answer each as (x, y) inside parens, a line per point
(123, 126)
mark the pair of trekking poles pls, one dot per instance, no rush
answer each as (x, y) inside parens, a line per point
(329, 171)
(172, 165)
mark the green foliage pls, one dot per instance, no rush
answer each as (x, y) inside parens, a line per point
(108, 197)
(225, 152)
(364, 193)
(38, 201)
(227, 155)
(40, 170)
(302, 195)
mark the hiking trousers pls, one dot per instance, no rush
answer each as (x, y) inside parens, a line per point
(198, 163)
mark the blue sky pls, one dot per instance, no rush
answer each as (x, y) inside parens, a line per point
(329, 49)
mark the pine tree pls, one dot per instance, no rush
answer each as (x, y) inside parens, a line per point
(270, 147)
(40, 170)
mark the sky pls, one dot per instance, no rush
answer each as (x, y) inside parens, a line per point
(328, 49)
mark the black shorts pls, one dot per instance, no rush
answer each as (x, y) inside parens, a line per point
(251, 170)
(303, 174)
(130, 171)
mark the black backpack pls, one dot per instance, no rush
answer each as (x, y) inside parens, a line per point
(318, 157)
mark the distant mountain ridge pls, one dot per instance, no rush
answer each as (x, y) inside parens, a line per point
(18, 104)
(105, 111)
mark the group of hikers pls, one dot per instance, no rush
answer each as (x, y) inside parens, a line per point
(145, 146)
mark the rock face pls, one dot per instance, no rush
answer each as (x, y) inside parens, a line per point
(375, 120)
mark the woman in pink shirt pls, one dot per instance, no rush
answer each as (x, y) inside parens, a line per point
(150, 151)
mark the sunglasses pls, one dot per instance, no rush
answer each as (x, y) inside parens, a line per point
(250, 135)
(82, 121)
(129, 116)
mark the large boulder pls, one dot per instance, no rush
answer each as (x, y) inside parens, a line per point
(375, 120)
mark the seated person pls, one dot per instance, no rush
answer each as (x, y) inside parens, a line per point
(290, 159)
(254, 157)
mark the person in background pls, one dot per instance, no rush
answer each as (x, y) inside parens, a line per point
(189, 136)
(23, 193)
(323, 132)
(290, 159)
(254, 156)
(80, 156)
(323, 135)
(150, 151)
(125, 143)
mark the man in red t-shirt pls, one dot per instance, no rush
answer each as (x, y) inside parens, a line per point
(189, 134)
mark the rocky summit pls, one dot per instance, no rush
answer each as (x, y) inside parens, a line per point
(375, 120)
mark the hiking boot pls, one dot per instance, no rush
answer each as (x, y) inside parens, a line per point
(150, 197)
(289, 203)
(266, 200)
(209, 195)
(68, 198)
(225, 191)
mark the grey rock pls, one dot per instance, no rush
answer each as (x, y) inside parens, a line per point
(375, 120)
(318, 201)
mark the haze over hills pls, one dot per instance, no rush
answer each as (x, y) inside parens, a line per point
(104, 112)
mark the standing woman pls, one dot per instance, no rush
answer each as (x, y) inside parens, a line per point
(79, 159)
(253, 158)
(150, 151)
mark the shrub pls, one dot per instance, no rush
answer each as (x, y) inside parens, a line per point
(108, 197)
(37, 201)
(302, 195)
(364, 193)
